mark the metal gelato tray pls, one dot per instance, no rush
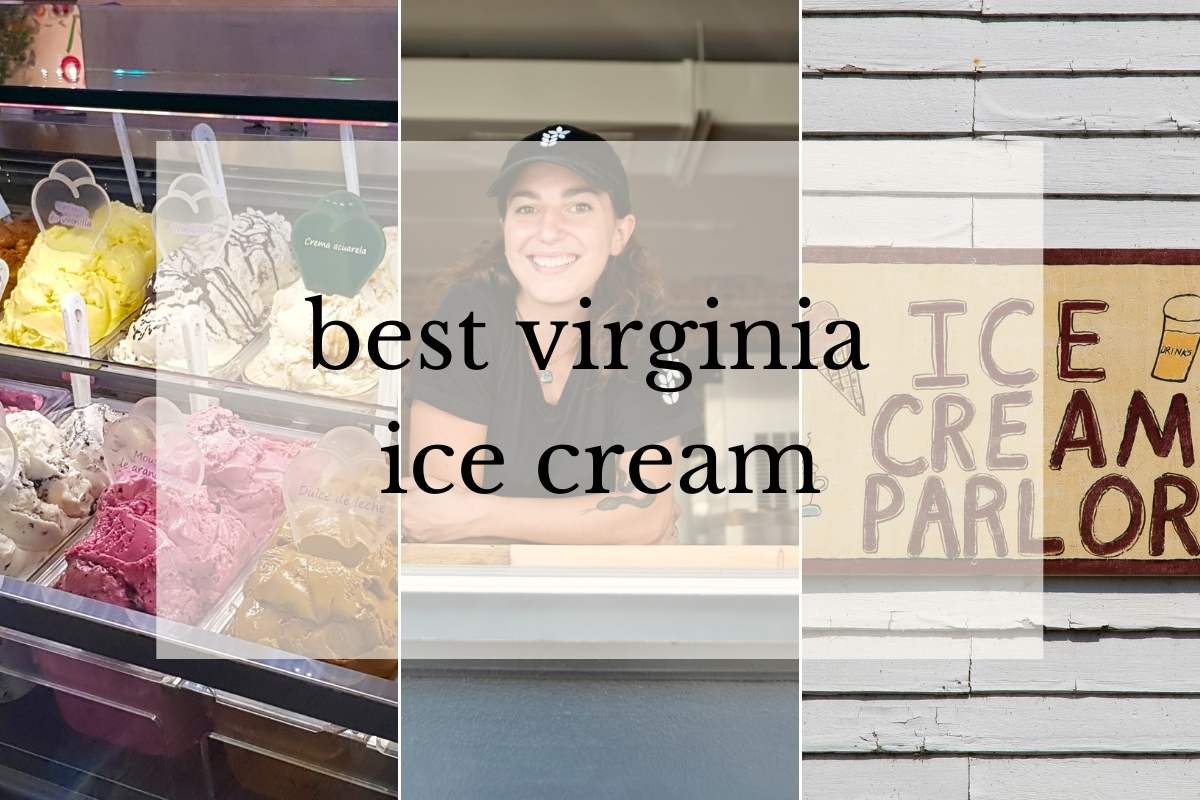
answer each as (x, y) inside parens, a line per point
(57, 552)
(259, 345)
(55, 555)
(106, 343)
(52, 569)
(55, 564)
(55, 397)
(231, 370)
(188, 654)
(220, 619)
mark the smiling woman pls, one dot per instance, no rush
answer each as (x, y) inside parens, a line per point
(567, 254)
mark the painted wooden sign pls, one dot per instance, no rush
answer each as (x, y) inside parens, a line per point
(1017, 418)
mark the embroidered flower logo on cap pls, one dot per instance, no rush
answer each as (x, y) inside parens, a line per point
(552, 136)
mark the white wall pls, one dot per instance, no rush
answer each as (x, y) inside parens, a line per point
(1113, 89)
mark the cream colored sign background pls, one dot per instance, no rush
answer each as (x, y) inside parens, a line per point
(898, 346)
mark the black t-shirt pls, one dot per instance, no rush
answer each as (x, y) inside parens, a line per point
(597, 407)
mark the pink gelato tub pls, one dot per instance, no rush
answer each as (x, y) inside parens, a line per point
(208, 534)
(171, 552)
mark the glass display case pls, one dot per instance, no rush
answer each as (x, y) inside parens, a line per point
(99, 696)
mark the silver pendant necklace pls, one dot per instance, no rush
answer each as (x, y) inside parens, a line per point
(544, 375)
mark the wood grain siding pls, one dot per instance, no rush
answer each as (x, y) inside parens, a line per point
(889, 6)
(887, 105)
(1003, 725)
(1165, 8)
(885, 778)
(1001, 778)
(1093, 104)
(1111, 88)
(1091, 778)
(958, 45)
(1125, 104)
(1139, 223)
(1069, 604)
(993, 8)
(1161, 168)
(897, 676)
(1080, 664)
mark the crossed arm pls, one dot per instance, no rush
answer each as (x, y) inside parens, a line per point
(624, 516)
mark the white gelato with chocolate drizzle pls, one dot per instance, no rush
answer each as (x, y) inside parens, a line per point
(286, 361)
(235, 290)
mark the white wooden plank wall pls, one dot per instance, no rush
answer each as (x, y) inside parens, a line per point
(1001, 778)
(1118, 679)
(986, 8)
(1112, 88)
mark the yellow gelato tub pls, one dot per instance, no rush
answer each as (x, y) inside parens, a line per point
(111, 277)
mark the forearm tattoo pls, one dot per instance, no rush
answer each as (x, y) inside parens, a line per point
(613, 503)
(627, 495)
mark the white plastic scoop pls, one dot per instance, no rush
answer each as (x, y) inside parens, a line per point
(135, 188)
(75, 324)
(195, 346)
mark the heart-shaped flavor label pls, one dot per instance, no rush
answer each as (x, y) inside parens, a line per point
(337, 245)
(191, 215)
(333, 498)
(153, 440)
(70, 197)
(74, 170)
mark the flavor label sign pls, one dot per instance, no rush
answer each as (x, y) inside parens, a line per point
(192, 216)
(153, 441)
(332, 496)
(70, 197)
(1023, 414)
(337, 245)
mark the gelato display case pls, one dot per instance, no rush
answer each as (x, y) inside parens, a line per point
(160, 638)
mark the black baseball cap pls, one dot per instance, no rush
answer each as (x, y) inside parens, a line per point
(572, 147)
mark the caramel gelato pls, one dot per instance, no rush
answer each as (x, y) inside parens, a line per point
(321, 598)
(15, 241)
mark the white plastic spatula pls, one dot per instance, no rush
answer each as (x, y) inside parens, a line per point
(209, 156)
(135, 188)
(3, 274)
(75, 324)
(349, 159)
(195, 348)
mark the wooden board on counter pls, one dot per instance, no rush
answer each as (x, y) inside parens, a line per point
(781, 557)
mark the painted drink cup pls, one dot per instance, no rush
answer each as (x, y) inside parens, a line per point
(1180, 338)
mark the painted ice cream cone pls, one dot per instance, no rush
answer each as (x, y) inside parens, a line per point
(847, 381)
